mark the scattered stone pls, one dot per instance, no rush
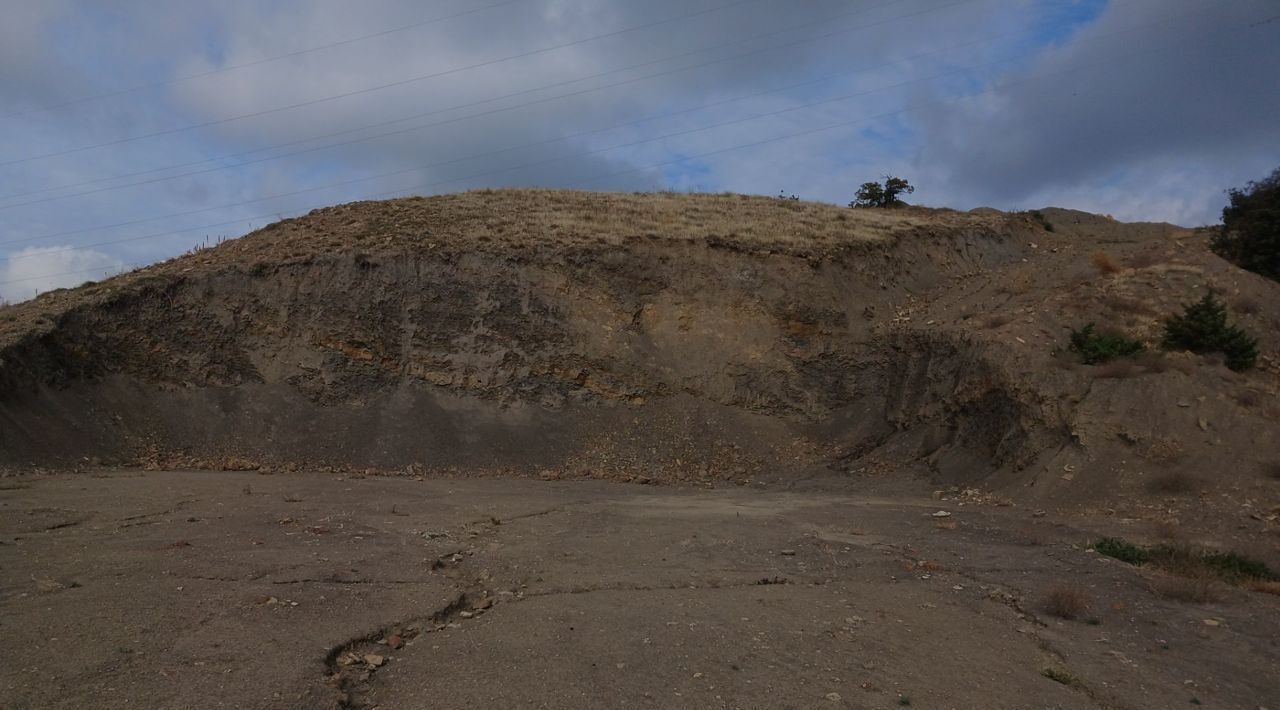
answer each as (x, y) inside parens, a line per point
(1212, 622)
(833, 697)
(374, 659)
(395, 642)
(466, 614)
(942, 514)
(788, 553)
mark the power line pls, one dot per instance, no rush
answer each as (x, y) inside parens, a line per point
(526, 146)
(260, 62)
(442, 123)
(1110, 62)
(380, 87)
(560, 139)
(722, 124)
(468, 117)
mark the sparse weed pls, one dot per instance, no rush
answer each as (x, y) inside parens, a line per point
(1059, 676)
(1245, 305)
(1272, 588)
(1145, 259)
(1272, 470)
(1039, 217)
(1153, 361)
(1104, 263)
(1187, 561)
(1117, 369)
(1123, 304)
(1066, 602)
(1118, 549)
(996, 321)
(1166, 529)
(1249, 399)
(1176, 483)
(1198, 589)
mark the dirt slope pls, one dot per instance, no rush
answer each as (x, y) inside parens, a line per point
(673, 337)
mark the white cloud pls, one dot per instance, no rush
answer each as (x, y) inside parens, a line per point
(1160, 143)
(38, 269)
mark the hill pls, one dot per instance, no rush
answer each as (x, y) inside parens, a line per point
(664, 337)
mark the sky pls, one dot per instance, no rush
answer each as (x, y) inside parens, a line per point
(134, 132)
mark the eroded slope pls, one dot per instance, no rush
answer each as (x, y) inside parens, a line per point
(687, 337)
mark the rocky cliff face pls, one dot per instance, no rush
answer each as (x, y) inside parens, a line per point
(556, 333)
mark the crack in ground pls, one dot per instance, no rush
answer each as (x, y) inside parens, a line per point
(139, 519)
(496, 521)
(347, 668)
(1013, 601)
(326, 580)
(352, 665)
(709, 586)
(62, 525)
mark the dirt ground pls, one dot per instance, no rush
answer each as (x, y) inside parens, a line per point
(310, 590)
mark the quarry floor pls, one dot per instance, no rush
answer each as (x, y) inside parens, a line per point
(163, 589)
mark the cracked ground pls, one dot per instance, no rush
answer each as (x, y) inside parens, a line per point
(239, 590)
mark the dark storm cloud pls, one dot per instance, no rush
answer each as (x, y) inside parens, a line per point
(1190, 93)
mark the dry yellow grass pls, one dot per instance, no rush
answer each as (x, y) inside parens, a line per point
(1066, 602)
(1104, 263)
(1197, 587)
(1264, 587)
(533, 221)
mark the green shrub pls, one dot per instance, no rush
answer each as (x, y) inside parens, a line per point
(1250, 234)
(1235, 567)
(1184, 560)
(1121, 550)
(1096, 348)
(1038, 216)
(1203, 328)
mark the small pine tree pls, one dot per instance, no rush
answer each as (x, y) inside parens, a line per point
(1203, 328)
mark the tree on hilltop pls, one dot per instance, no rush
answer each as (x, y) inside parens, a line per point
(873, 194)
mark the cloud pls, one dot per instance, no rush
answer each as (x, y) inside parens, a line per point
(38, 269)
(1146, 113)
(976, 101)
